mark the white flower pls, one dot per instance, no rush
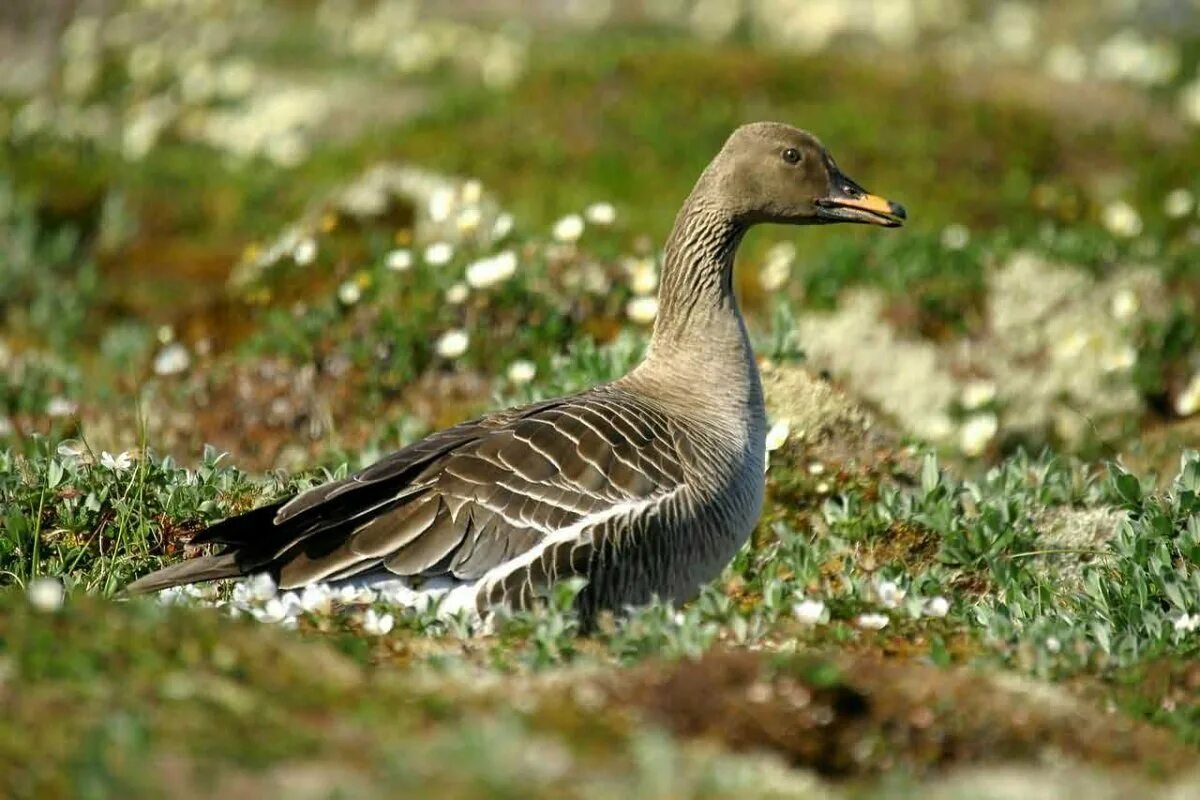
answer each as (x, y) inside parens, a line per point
(502, 226)
(777, 436)
(305, 251)
(117, 463)
(642, 310)
(1178, 203)
(978, 393)
(871, 622)
(272, 611)
(456, 295)
(317, 599)
(521, 372)
(809, 611)
(46, 594)
(1186, 623)
(349, 292)
(889, 594)
(399, 260)
(1189, 102)
(469, 219)
(569, 228)
(440, 204)
(936, 607)
(453, 343)
(1121, 358)
(61, 407)
(1065, 62)
(643, 275)
(439, 253)
(955, 236)
(600, 214)
(258, 588)
(1188, 401)
(488, 272)
(72, 449)
(1122, 219)
(375, 624)
(1124, 304)
(977, 432)
(1053, 644)
(172, 360)
(472, 191)
(777, 267)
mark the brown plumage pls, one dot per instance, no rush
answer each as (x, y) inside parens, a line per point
(645, 486)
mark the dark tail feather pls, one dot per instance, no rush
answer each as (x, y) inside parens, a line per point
(248, 528)
(193, 570)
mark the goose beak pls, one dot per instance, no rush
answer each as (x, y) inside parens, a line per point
(849, 202)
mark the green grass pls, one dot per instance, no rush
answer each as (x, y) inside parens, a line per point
(103, 697)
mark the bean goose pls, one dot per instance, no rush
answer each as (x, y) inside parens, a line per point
(645, 486)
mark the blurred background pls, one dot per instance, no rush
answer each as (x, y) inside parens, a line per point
(301, 230)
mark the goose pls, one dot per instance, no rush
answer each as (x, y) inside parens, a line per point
(645, 487)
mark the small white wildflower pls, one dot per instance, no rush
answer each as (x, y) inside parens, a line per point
(46, 594)
(777, 268)
(273, 611)
(457, 294)
(1119, 359)
(1188, 401)
(1178, 203)
(890, 594)
(305, 251)
(72, 449)
(61, 407)
(488, 272)
(1122, 219)
(439, 253)
(468, 220)
(440, 204)
(172, 360)
(601, 214)
(643, 275)
(1066, 62)
(955, 236)
(816, 468)
(521, 372)
(355, 595)
(502, 226)
(375, 624)
(399, 260)
(777, 436)
(1053, 644)
(1187, 623)
(569, 228)
(978, 393)
(453, 343)
(260, 588)
(977, 432)
(1124, 304)
(472, 191)
(823, 487)
(1189, 101)
(117, 463)
(317, 599)
(349, 292)
(871, 622)
(936, 607)
(809, 611)
(642, 310)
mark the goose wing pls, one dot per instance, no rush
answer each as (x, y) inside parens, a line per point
(468, 499)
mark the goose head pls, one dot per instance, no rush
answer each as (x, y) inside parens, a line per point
(771, 172)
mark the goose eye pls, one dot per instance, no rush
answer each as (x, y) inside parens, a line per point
(791, 155)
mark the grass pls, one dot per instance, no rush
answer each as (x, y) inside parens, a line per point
(1029, 601)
